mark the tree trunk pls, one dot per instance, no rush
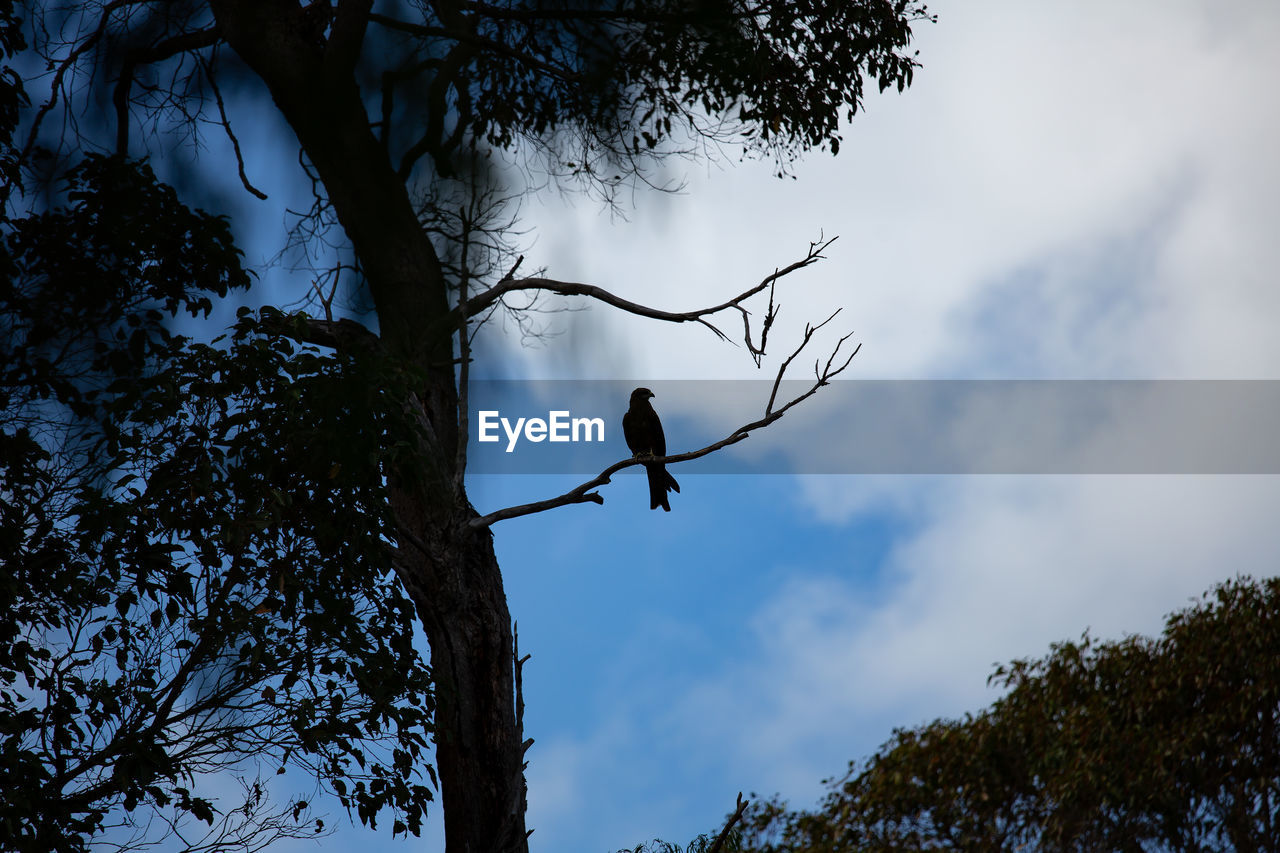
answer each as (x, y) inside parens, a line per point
(479, 755)
(449, 569)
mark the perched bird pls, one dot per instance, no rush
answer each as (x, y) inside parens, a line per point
(643, 432)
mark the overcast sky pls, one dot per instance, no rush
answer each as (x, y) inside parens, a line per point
(1071, 190)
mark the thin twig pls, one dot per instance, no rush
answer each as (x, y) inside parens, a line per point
(181, 43)
(809, 332)
(235, 143)
(66, 65)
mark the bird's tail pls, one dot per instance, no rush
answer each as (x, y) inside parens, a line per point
(660, 482)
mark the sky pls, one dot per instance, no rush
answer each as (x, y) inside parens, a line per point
(1083, 190)
(1067, 191)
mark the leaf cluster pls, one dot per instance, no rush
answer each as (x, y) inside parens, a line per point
(1143, 744)
(13, 96)
(194, 541)
(625, 81)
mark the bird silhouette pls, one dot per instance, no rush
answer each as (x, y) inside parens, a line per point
(643, 432)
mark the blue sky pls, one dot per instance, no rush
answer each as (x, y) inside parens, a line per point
(1073, 190)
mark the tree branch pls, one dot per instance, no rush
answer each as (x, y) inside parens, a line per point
(584, 493)
(585, 13)
(226, 125)
(464, 368)
(181, 43)
(481, 301)
(718, 844)
(346, 33)
(477, 41)
(55, 87)
(437, 110)
(345, 335)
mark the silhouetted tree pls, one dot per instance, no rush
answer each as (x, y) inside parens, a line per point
(1138, 745)
(194, 543)
(402, 111)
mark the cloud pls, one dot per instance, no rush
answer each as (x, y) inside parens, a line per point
(840, 650)
(1088, 191)
(1084, 191)
(1037, 154)
(989, 569)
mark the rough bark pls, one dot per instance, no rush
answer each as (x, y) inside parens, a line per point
(449, 567)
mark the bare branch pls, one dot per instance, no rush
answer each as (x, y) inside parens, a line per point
(585, 492)
(770, 314)
(226, 125)
(181, 43)
(469, 37)
(519, 790)
(809, 332)
(512, 273)
(623, 14)
(481, 301)
(63, 67)
(437, 111)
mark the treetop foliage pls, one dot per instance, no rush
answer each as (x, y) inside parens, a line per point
(629, 75)
(603, 88)
(1141, 744)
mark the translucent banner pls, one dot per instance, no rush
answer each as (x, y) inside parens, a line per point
(890, 426)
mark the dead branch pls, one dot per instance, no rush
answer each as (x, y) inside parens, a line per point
(67, 64)
(226, 126)
(484, 300)
(170, 47)
(718, 844)
(585, 492)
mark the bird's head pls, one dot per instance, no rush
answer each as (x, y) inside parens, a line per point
(640, 395)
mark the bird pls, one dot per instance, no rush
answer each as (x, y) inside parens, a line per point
(643, 432)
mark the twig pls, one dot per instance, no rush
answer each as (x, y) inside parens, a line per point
(63, 67)
(809, 332)
(181, 43)
(508, 277)
(235, 143)
(771, 314)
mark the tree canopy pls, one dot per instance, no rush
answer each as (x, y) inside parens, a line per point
(1164, 743)
(195, 546)
(218, 547)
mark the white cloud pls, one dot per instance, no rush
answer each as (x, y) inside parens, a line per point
(1033, 140)
(990, 569)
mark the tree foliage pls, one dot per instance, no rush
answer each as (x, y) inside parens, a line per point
(629, 77)
(194, 548)
(231, 531)
(1139, 745)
